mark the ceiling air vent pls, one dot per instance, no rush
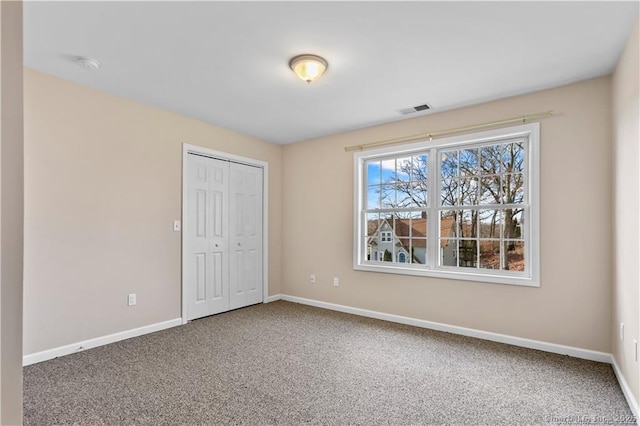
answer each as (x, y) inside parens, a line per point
(411, 110)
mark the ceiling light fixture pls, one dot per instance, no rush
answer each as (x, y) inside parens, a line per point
(308, 67)
(88, 63)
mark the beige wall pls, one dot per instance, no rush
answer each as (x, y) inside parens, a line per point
(11, 212)
(626, 196)
(102, 188)
(573, 304)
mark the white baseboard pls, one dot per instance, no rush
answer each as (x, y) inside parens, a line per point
(626, 390)
(470, 332)
(273, 298)
(98, 341)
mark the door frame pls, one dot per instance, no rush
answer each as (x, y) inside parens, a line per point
(220, 155)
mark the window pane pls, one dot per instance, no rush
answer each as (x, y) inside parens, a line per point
(448, 252)
(513, 157)
(490, 223)
(388, 196)
(491, 159)
(383, 240)
(513, 188)
(469, 162)
(512, 224)
(519, 224)
(514, 255)
(490, 254)
(370, 253)
(449, 193)
(420, 190)
(448, 224)
(403, 225)
(468, 224)
(403, 169)
(449, 164)
(372, 223)
(469, 191)
(411, 195)
(373, 197)
(388, 170)
(490, 192)
(386, 255)
(468, 253)
(419, 168)
(387, 218)
(373, 172)
(419, 251)
(419, 225)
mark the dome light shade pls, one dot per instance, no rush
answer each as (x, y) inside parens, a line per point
(308, 67)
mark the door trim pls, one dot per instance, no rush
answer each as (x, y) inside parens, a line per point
(219, 155)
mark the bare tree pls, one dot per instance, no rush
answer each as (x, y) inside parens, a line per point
(489, 175)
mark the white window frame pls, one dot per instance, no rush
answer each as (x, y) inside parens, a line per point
(531, 231)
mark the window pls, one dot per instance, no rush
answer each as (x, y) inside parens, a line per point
(464, 207)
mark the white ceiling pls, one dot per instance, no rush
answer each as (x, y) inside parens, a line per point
(226, 63)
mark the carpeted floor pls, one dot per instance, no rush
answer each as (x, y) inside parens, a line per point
(289, 364)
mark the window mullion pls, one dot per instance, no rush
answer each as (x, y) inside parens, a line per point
(433, 216)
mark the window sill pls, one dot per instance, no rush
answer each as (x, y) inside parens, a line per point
(422, 271)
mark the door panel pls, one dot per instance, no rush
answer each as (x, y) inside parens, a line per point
(246, 215)
(201, 293)
(206, 270)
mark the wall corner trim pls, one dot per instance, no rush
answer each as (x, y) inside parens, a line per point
(469, 332)
(626, 390)
(273, 298)
(98, 341)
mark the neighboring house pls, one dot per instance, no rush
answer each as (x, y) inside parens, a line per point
(384, 245)
(408, 244)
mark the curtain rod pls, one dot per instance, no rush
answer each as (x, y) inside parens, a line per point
(430, 135)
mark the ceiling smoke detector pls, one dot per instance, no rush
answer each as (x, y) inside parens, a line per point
(411, 110)
(88, 63)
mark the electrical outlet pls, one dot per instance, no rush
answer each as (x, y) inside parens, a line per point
(622, 331)
(312, 278)
(176, 226)
(336, 281)
(132, 299)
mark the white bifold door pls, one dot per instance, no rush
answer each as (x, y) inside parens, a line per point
(223, 236)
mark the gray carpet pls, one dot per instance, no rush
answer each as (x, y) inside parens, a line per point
(288, 364)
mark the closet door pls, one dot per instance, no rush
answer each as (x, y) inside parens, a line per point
(245, 239)
(206, 229)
